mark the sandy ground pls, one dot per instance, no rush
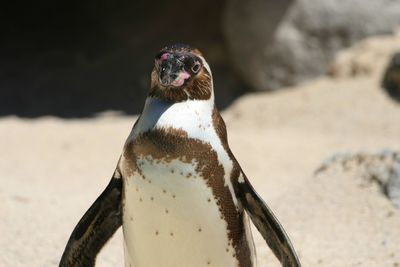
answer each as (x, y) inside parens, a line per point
(51, 169)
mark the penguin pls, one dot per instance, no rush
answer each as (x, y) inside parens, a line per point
(178, 192)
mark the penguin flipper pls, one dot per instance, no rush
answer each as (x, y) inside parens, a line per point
(95, 228)
(267, 224)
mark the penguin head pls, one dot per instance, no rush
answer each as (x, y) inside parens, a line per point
(180, 73)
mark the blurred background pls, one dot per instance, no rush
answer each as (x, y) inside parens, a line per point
(74, 58)
(78, 58)
(310, 92)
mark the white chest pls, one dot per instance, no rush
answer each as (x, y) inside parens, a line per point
(171, 218)
(178, 194)
(194, 117)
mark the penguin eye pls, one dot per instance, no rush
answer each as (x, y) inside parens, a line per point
(196, 67)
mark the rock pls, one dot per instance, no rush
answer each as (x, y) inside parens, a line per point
(382, 169)
(279, 43)
(391, 78)
(366, 58)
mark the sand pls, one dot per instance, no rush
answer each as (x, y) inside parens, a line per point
(52, 169)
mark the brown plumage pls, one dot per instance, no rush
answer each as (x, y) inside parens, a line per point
(182, 137)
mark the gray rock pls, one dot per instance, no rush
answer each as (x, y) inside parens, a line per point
(283, 42)
(391, 78)
(381, 168)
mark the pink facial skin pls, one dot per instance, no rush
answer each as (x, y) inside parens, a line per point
(180, 80)
(182, 77)
(164, 56)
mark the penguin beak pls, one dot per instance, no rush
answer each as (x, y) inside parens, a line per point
(171, 70)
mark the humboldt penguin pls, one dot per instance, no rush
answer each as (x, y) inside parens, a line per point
(178, 191)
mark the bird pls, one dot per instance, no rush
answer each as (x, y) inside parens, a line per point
(178, 191)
